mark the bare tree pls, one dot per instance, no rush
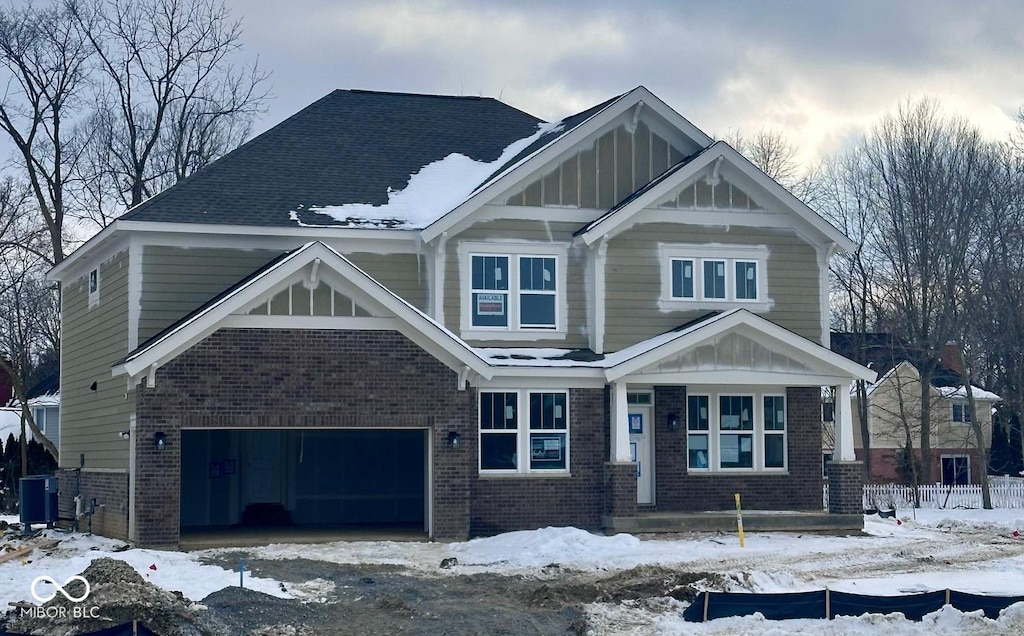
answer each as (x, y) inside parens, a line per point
(775, 155)
(44, 57)
(928, 179)
(172, 99)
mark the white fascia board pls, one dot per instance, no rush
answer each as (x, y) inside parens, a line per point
(97, 249)
(839, 365)
(719, 379)
(556, 381)
(618, 222)
(652, 101)
(539, 158)
(311, 233)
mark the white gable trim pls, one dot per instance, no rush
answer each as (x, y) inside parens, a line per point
(411, 322)
(633, 360)
(619, 221)
(552, 151)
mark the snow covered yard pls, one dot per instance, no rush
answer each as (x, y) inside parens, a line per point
(968, 550)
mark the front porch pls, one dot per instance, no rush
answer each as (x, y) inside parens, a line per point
(725, 521)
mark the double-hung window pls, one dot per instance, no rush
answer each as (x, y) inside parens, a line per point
(696, 276)
(961, 412)
(514, 291)
(736, 432)
(531, 439)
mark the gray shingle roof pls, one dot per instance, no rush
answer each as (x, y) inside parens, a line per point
(348, 147)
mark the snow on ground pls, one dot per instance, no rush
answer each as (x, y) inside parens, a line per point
(968, 550)
(178, 571)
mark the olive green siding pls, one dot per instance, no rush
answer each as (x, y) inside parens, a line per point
(634, 270)
(534, 231)
(401, 273)
(92, 339)
(176, 280)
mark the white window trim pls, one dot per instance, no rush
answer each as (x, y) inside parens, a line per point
(523, 431)
(955, 456)
(965, 406)
(513, 250)
(39, 417)
(784, 433)
(758, 433)
(699, 254)
(94, 294)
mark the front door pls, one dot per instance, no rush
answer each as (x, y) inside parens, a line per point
(640, 447)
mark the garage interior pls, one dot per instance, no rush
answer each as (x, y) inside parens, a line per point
(313, 482)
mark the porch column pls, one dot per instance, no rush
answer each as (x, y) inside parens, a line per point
(620, 425)
(844, 424)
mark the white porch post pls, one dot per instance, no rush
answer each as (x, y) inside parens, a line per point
(620, 425)
(844, 424)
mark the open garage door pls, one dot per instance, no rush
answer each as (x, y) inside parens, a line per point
(309, 477)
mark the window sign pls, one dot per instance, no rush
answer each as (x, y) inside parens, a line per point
(636, 423)
(490, 304)
(546, 448)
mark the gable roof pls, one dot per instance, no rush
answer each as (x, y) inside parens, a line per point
(570, 131)
(413, 323)
(351, 146)
(685, 170)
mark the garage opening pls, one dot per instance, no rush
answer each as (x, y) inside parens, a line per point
(352, 479)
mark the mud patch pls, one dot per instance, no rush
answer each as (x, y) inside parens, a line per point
(638, 583)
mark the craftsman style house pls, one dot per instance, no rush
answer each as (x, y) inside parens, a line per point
(445, 313)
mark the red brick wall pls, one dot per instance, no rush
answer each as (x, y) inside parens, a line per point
(506, 503)
(299, 378)
(884, 467)
(798, 489)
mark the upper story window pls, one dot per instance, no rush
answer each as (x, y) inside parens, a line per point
(94, 286)
(714, 276)
(962, 412)
(513, 291)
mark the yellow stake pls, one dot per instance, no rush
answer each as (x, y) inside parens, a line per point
(739, 519)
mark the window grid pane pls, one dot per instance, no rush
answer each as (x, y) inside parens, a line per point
(697, 413)
(547, 411)
(736, 412)
(682, 278)
(714, 279)
(774, 450)
(746, 280)
(697, 451)
(774, 413)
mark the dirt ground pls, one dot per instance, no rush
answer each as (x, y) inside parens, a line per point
(358, 599)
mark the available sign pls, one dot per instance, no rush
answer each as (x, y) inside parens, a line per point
(490, 304)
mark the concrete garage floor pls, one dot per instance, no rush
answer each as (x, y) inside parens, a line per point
(241, 536)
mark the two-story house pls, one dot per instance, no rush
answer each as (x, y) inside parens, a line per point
(445, 313)
(894, 406)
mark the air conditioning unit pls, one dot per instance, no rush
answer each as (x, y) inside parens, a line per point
(37, 499)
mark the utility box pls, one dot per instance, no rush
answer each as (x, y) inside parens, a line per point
(37, 499)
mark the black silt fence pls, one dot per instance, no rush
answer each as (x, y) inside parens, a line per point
(828, 604)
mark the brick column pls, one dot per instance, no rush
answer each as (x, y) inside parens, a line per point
(620, 489)
(845, 487)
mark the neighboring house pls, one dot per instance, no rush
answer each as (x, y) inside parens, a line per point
(894, 412)
(44, 401)
(445, 313)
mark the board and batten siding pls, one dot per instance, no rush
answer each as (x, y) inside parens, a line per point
(177, 280)
(92, 339)
(634, 270)
(505, 230)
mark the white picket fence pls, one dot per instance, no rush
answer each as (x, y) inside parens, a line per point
(889, 496)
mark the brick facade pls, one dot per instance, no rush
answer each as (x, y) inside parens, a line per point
(503, 503)
(845, 487)
(258, 378)
(110, 490)
(885, 466)
(799, 488)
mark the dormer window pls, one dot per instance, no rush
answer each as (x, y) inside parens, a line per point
(714, 277)
(513, 291)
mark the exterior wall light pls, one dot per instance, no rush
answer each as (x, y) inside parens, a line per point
(673, 422)
(454, 438)
(160, 440)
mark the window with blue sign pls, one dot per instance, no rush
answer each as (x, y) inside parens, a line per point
(539, 431)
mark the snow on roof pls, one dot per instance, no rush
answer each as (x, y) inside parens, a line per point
(47, 399)
(960, 392)
(10, 423)
(432, 192)
(541, 357)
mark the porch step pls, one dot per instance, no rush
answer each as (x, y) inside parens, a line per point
(753, 521)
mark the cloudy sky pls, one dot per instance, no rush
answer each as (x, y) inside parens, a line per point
(820, 71)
